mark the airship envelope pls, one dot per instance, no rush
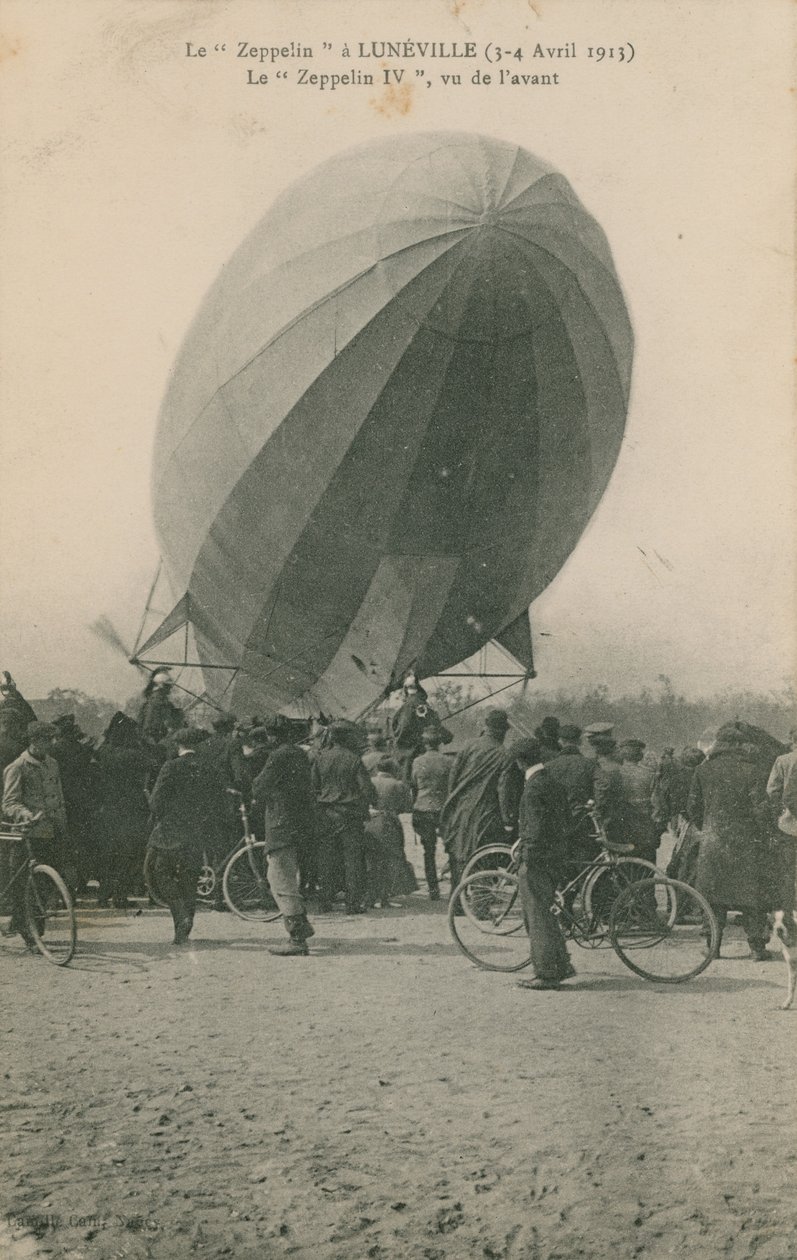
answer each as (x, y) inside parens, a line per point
(390, 422)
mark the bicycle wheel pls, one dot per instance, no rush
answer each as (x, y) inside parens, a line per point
(245, 886)
(491, 857)
(486, 921)
(478, 902)
(149, 879)
(50, 915)
(663, 930)
(605, 884)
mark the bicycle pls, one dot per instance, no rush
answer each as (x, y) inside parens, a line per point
(49, 913)
(604, 904)
(242, 872)
(244, 883)
(610, 871)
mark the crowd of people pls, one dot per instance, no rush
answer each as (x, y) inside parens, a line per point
(327, 800)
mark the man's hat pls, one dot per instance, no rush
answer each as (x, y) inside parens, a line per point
(599, 730)
(570, 734)
(497, 720)
(633, 744)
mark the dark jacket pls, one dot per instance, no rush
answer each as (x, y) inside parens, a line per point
(543, 822)
(159, 717)
(610, 798)
(728, 804)
(407, 727)
(340, 779)
(124, 772)
(15, 715)
(282, 795)
(181, 803)
(576, 774)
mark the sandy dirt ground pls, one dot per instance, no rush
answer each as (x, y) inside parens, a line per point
(384, 1098)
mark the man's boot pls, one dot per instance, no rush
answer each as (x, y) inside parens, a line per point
(298, 931)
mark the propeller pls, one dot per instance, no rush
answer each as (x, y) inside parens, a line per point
(104, 629)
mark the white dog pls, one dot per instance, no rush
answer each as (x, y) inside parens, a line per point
(786, 932)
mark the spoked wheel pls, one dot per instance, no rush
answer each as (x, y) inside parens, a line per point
(245, 886)
(206, 884)
(605, 885)
(664, 930)
(149, 879)
(486, 920)
(50, 915)
(493, 857)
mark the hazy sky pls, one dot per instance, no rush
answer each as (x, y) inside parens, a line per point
(130, 173)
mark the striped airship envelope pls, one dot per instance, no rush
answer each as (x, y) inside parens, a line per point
(390, 422)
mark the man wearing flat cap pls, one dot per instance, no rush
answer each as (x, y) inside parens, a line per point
(608, 794)
(32, 794)
(575, 773)
(343, 793)
(471, 815)
(638, 782)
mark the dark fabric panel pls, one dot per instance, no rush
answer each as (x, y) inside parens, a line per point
(516, 638)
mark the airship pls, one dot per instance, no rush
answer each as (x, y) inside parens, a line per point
(389, 424)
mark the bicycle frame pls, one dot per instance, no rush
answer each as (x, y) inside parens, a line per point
(14, 833)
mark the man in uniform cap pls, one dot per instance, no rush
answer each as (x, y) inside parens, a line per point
(598, 731)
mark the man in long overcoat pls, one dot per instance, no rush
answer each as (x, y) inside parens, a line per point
(728, 805)
(471, 815)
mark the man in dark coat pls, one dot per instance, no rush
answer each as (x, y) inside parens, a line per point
(609, 795)
(126, 762)
(542, 830)
(343, 792)
(181, 801)
(224, 821)
(77, 764)
(728, 805)
(16, 716)
(408, 724)
(576, 774)
(282, 796)
(471, 815)
(782, 793)
(158, 716)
